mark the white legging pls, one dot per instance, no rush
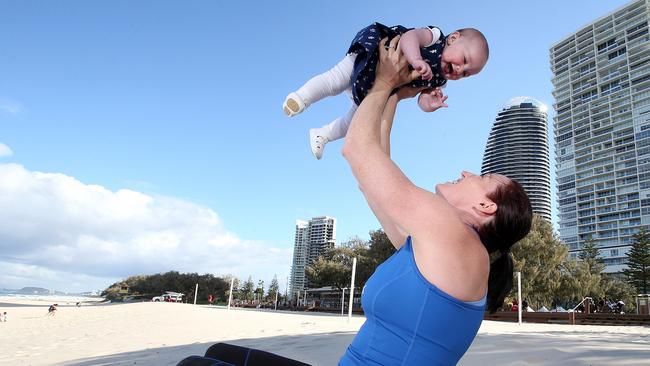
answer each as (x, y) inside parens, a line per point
(330, 83)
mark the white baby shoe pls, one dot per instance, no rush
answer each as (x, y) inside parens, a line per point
(317, 141)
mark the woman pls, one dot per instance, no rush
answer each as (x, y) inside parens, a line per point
(425, 304)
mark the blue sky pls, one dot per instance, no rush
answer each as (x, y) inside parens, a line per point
(178, 104)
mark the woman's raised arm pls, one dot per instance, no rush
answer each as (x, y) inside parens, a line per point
(390, 194)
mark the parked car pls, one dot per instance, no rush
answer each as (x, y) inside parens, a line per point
(168, 297)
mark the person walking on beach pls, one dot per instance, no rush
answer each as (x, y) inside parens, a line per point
(3, 317)
(51, 311)
(453, 257)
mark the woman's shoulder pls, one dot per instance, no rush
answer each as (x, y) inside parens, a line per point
(435, 214)
(450, 255)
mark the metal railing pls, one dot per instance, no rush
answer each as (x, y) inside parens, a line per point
(581, 303)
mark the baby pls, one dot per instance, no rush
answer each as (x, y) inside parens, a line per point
(436, 57)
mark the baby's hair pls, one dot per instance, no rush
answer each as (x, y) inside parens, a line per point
(473, 34)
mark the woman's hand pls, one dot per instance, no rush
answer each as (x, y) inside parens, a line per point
(392, 70)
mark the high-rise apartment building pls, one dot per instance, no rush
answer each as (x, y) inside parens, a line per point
(601, 79)
(298, 279)
(312, 239)
(518, 148)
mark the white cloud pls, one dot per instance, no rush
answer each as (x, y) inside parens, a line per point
(10, 106)
(5, 150)
(57, 232)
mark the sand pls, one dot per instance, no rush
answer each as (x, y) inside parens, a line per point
(499, 343)
(164, 333)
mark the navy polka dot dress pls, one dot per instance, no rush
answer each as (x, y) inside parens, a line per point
(365, 45)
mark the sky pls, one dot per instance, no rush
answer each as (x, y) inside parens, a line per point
(142, 137)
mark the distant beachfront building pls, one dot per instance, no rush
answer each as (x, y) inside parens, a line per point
(601, 80)
(518, 148)
(312, 239)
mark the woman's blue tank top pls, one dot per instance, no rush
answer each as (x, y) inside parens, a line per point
(409, 321)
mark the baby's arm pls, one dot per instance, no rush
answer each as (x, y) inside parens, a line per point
(410, 44)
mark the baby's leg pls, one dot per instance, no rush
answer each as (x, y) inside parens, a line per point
(319, 137)
(338, 128)
(329, 83)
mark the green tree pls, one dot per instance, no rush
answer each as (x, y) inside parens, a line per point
(259, 291)
(147, 286)
(236, 285)
(334, 267)
(326, 272)
(577, 282)
(616, 289)
(112, 292)
(591, 256)
(638, 262)
(539, 257)
(583, 277)
(215, 286)
(274, 287)
(380, 248)
(246, 290)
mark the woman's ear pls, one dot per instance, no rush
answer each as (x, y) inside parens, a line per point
(486, 208)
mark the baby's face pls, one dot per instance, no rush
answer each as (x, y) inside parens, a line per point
(462, 57)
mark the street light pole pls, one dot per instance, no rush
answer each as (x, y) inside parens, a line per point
(519, 295)
(276, 300)
(286, 292)
(354, 270)
(232, 281)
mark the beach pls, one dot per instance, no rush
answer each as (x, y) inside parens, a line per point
(164, 333)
